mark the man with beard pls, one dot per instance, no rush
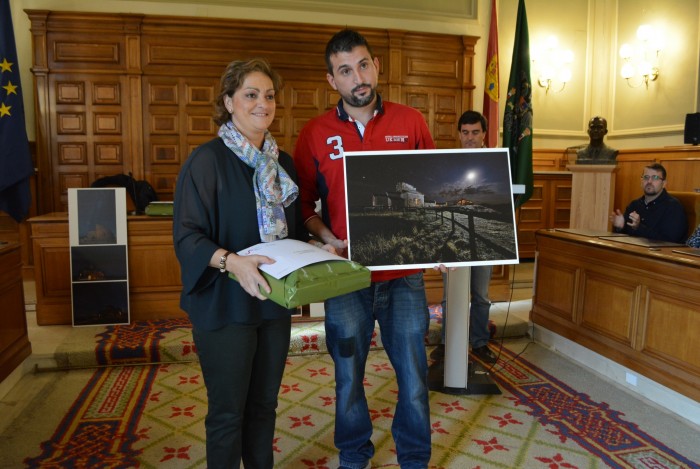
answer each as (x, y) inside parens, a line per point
(655, 215)
(396, 298)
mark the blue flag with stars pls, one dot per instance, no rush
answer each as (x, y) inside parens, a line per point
(15, 160)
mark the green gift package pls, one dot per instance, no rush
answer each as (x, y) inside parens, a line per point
(316, 282)
(159, 209)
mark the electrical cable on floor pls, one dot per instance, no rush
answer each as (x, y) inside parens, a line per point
(505, 325)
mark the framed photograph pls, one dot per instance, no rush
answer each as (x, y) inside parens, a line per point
(418, 209)
(98, 216)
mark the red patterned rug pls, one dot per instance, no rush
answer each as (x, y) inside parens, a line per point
(153, 416)
(170, 340)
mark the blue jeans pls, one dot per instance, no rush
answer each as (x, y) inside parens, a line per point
(401, 309)
(479, 308)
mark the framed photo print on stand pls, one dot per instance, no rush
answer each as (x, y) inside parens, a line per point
(98, 255)
(421, 208)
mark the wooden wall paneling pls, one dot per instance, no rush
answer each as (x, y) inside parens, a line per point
(467, 76)
(164, 150)
(177, 116)
(134, 99)
(682, 165)
(627, 182)
(430, 80)
(90, 118)
(531, 217)
(560, 193)
(548, 160)
(549, 207)
(119, 93)
(304, 100)
(682, 174)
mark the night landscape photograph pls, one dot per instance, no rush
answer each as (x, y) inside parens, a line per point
(429, 207)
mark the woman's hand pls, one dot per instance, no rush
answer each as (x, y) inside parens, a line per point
(245, 268)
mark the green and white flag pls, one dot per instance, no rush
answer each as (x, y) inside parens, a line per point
(517, 117)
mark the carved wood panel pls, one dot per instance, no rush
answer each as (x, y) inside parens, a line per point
(119, 93)
(88, 131)
(549, 207)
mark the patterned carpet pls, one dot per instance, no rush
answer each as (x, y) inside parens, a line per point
(170, 340)
(153, 415)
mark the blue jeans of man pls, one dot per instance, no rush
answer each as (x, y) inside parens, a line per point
(479, 308)
(242, 365)
(401, 309)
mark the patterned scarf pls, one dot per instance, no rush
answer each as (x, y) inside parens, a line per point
(272, 185)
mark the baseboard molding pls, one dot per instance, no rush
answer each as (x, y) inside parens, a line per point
(662, 396)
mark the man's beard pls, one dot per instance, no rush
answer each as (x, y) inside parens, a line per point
(354, 101)
(650, 190)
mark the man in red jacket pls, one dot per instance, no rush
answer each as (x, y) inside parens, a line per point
(396, 299)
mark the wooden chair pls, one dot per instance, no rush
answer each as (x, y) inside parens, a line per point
(691, 204)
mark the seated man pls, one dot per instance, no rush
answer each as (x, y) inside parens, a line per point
(655, 215)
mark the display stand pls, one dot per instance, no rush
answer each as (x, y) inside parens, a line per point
(592, 196)
(456, 375)
(98, 256)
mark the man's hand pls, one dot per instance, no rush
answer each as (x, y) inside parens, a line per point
(336, 246)
(634, 220)
(444, 269)
(617, 219)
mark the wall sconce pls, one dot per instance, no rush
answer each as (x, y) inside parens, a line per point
(552, 65)
(641, 60)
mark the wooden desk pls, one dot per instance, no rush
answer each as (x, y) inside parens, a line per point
(14, 342)
(154, 273)
(636, 306)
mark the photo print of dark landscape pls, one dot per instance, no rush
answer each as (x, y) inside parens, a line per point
(100, 303)
(97, 220)
(427, 207)
(98, 263)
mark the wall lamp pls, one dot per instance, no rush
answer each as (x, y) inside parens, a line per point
(552, 65)
(641, 60)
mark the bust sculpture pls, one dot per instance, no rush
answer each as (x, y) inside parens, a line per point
(596, 152)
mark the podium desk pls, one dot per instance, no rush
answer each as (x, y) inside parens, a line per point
(14, 340)
(638, 305)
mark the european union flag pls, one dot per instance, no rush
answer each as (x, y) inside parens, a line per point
(15, 160)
